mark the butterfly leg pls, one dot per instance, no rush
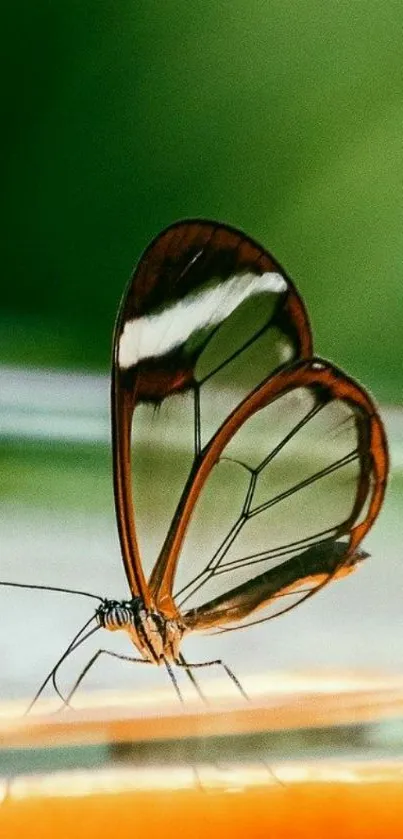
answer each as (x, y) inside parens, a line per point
(91, 663)
(183, 663)
(216, 663)
(173, 679)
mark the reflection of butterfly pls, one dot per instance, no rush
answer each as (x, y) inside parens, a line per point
(288, 455)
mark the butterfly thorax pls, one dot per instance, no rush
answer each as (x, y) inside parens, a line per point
(155, 636)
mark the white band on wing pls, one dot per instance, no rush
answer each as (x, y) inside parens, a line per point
(161, 332)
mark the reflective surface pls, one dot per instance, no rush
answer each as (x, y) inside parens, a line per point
(316, 753)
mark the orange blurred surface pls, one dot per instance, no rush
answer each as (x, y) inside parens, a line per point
(240, 797)
(340, 800)
(280, 701)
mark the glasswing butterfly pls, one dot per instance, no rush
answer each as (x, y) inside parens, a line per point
(288, 456)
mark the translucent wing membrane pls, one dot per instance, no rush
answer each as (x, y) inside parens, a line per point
(207, 315)
(289, 485)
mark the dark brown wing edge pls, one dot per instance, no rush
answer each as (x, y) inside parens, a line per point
(163, 273)
(373, 457)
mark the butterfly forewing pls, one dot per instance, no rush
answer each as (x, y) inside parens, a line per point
(207, 315)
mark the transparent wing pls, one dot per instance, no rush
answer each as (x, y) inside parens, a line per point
(207, 315)
(286, 490)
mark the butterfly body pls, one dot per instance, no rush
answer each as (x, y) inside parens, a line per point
(156, 637)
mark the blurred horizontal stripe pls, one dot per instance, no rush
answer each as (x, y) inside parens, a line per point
(49, 405)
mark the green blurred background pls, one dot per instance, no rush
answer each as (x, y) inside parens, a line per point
(283, 118)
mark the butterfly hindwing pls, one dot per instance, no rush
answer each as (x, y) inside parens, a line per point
(304, 457)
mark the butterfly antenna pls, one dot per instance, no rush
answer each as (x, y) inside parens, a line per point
(52, 588)
(73, 644)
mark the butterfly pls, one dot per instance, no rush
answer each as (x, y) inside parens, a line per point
(288, 457)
